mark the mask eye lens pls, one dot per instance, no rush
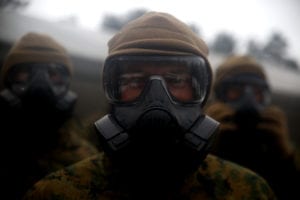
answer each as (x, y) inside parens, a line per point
(18, 79)
(57, 74)
(131, 85)
(233, 93)
(178, 80)
(185, 78)
(20, 75)
(180, 86)
(58, 78)
(23, 76)
(258, 93)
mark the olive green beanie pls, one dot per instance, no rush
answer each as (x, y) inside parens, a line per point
(237, 64)
(157, 33)
(35, 48)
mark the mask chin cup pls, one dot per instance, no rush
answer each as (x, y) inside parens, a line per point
(112, 135)
(201, 135)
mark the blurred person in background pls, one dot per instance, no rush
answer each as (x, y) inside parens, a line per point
(155, 140)
(39, 133)
(253, 131)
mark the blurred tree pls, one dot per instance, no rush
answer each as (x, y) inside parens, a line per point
(224, 43)
(276, 47)
(70, 20)
(291, 64)
(135, 14)
(195, 28)
(254, 49)
(273, 51)
(13, 3)
(115, 23)
(112, 22)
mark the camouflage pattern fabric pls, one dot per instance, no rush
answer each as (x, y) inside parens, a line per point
(93, 178)
(264, 148)
(33, 159)
(71, 147)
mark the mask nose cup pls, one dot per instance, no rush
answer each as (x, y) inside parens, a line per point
(156, 91)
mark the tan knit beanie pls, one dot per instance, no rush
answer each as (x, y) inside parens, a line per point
(35, 48)
(237, 64)
(157, 33)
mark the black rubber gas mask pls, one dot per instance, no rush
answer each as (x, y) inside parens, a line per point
(39, 86)
(156, 105)
(248, 94)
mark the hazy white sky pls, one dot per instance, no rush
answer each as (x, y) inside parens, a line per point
(243, 18)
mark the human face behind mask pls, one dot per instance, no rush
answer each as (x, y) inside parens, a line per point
(127, 77)
(26, 77)
(40, 88)
(177, 79)
(244, 90)
(235, 92)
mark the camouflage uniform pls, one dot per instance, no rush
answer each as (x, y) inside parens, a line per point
(70, 147)
(33, 158)
(94, 178)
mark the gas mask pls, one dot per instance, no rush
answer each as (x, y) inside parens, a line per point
(248, 94)
(156, 106)
(39, 87)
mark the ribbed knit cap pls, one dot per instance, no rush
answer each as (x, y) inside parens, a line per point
(237, 64)
(36, 48)
(157, 33)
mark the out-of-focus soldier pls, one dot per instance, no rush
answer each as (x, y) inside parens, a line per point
(253, 131)
(155, 139)
(39, 133)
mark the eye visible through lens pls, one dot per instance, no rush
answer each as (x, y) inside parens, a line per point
(234, 93)
(131, 85)
(56, 73)
(180, 85)
(178, 82)
(184, 78)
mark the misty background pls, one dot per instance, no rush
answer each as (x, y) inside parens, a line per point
(272, 45)
(265, 29)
